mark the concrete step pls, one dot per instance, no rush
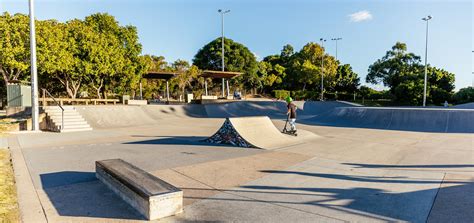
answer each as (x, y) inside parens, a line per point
(70, 118)
(73, 121)
(65, 115)
(59, 109)
(76, 130)
(75, 126)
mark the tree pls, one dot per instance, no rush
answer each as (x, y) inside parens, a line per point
(154, 64)
(237, 58)
(56, 57)
(111, 55)
(346, 80)
(186, 74)
(440, 85)
(306, 66)
(403, 73)
(270, 74)
(14, 47)
(286, 53)
(464, 95)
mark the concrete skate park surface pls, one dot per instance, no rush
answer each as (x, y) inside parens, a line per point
(359, 168)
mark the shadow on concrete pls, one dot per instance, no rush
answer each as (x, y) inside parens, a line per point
(80, 194)
(63, 178)
(369, 179)
(361, 165)
(172, 140)
(413, 206)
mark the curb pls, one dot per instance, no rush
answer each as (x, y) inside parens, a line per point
(29, 204)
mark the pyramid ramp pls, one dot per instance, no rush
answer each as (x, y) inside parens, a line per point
(256, 132)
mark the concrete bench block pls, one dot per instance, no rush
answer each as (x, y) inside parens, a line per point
(137, 102)
(149, 195)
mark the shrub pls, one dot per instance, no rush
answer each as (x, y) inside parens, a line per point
(281, 94)
(305, 95)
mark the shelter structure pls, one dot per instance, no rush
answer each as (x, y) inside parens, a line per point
(162, 75)
(225, 75)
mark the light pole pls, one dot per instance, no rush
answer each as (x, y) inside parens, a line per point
(322, 69)
(222, 12)
(34, 74)
(336, 39)
(426, 59)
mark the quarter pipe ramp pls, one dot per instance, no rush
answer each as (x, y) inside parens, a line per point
(256, 132)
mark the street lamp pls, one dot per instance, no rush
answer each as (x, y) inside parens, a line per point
(223, 12)
(322, 69)
(34, 74)
(428, 18)
(336, 39)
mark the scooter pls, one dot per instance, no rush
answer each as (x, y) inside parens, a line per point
(285, 129)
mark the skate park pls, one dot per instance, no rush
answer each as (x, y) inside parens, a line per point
(350, 163)
(236, 111)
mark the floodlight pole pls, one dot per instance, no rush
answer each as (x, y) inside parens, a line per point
(222, 12)
(336, 39)
(34, 73)
(426, 60)
(322, 69)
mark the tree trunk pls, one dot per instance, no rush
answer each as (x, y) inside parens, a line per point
(184, 94)
(5, 78)
(75, 88)
(304, 86)
(68, 90)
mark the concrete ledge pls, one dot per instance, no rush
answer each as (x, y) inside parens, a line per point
(208, 97)
(137, 102)
(149, 195)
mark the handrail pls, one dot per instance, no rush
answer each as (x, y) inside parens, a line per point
(58, 104)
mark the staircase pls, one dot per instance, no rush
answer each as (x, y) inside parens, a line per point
(73, 121)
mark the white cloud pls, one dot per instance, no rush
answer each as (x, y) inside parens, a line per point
(360, 16)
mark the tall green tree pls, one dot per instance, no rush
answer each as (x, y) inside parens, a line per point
(464, 95)
(403, 73)
(14, 47)
(306, 66)
(237, 58)
(56, 60)
(346, 80)
(186, 74)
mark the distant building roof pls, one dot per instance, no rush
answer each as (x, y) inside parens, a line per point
(220, 74)
(165, 75)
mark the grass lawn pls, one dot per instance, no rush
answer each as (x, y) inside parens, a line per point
(8, 202)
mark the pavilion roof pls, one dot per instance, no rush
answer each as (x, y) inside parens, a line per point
(164, 75)
(220, 74)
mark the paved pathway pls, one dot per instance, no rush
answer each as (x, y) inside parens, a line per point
(345, 175)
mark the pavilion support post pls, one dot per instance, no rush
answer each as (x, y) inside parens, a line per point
(205, 86)
(167, 91)
(141, 91)
(223, 87)
(227, 88)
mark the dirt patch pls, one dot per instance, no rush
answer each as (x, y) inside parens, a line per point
(8, 201)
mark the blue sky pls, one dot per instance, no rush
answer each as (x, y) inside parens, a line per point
(177, 29)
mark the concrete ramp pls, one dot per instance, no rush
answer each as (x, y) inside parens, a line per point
(256, 132)
(402, 119)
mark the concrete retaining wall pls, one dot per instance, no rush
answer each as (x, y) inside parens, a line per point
(313, 113)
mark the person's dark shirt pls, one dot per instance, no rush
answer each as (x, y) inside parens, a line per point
(292, 108)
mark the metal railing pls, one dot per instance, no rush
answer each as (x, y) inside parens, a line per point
(58, 104)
